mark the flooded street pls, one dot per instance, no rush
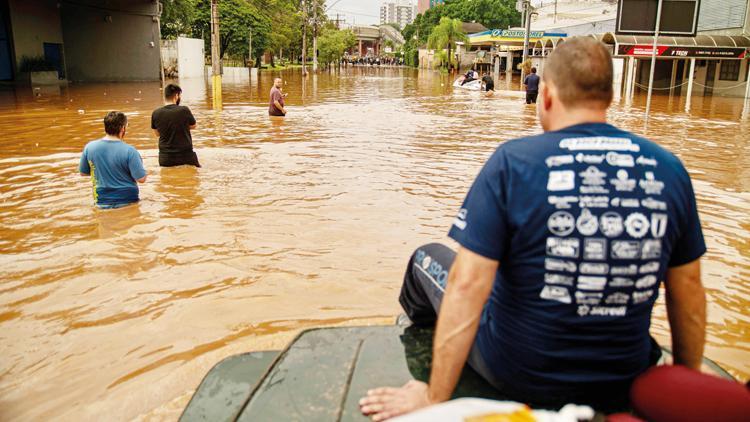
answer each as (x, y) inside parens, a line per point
(291, 223)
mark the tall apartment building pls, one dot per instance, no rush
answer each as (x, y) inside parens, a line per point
(400, 12)
(423, 5)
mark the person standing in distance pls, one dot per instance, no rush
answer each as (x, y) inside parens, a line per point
(115, 167)
(532, 86)
(172, 123)
(276, 104)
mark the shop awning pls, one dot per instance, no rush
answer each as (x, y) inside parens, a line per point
(511, 37)
(700, 46)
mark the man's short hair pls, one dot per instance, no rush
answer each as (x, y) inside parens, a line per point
(581, 69)
(114, 121)
(171, 90)
(533, 70)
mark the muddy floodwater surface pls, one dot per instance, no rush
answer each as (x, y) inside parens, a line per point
(291, 223)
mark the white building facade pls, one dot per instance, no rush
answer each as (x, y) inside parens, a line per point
(400, 13)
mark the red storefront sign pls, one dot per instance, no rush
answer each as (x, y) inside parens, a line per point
(683, 52)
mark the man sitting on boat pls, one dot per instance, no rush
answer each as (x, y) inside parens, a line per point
(471, 75)
(564, 240)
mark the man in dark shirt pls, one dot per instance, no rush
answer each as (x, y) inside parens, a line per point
(532, 86)
(172, 124)
(489, 84)
(276, 103)
(565, 238)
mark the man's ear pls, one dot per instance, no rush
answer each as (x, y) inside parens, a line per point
(548, 92)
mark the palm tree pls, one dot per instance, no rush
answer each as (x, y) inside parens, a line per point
(447, 32)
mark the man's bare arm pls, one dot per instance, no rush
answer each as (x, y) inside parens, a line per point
(279, 106)
(156, 132)
(142, 179)
(469, 284)
(191, 127)
(86, 174)
(686, 309)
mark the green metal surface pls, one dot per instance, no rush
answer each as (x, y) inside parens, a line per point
(322, 375)
(224, 390)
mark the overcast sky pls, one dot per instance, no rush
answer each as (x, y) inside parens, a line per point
(361, 12)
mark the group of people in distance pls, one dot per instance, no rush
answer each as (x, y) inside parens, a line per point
(531, 83)
(116, 168)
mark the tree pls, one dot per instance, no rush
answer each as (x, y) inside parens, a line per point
(333, 43)
(177, 18)
(493, 14)
(446, 33)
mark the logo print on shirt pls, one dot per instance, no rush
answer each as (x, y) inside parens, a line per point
(587, 223)
(651, 249)
(562, 202)
(583, 310)
(653, 204)
(599, 143)
(623, 183)
(559, 160)
(625, 249)
(624, 202)
(564, 248)
(640, 297)
(609, 310)
(586, 282)
(592, 176)
(594, 202)
(597, 268)
(588, 298)
(637, 225)
(643, 161)
(650, 185)
(620, 160)
(611, 224)
(589, 159)
(561, 180)
(658, 224)
(561, 223)
(646, 281)
(649, 267)
(617, 298)
(621, 282)
(558, 279)
(551, 264)
(631, 269)
(557, 293)
(595, 249)
(460, 220)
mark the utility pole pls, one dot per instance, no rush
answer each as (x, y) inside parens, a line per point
(250, 46)
(653, 59)
(527, 24)
(303, 4)
(315, 36)
(215, 56)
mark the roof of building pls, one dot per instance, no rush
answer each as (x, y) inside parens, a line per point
(472, 27)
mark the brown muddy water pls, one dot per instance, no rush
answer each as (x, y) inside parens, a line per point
(291, 223)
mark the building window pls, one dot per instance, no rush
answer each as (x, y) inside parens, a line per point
(730, 70)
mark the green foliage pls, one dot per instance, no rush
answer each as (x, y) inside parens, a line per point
(276, 25)
(445, 35)
(494, 14)
(177, 18)
(333, 43)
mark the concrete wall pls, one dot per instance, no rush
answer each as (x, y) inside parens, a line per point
(33, 23)
(190, 57)
(117, 41)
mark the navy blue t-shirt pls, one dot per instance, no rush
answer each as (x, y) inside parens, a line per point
(585, 222)
(532, 82)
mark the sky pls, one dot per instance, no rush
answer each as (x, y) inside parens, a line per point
(361, 12)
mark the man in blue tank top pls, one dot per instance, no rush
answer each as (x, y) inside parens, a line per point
(565, 238)
(115, 167)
